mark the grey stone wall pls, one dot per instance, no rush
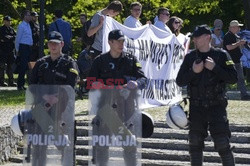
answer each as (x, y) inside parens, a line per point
(8, 143)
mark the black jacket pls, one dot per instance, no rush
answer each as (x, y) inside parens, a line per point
(205, 82)
(114, 71)
(62, 71)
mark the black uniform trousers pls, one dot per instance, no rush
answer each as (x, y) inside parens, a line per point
(213, 119)
(7, 64)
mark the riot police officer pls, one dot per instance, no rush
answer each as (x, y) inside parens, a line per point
(205, 71)
(112, 69)
(56, 69)
(7, 49)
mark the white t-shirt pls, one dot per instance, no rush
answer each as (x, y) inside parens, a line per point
(161, 25)
(132, 22)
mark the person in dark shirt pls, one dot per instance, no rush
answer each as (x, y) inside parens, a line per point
(206, 71)
(115, 69)
(7, 51)
(34, 25)
(120, 66)
(57, 68)
(232, 43)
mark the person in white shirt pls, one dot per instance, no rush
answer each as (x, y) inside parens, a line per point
(163, 17)
(133, 21)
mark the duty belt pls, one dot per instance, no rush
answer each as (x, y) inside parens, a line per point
(204, 103)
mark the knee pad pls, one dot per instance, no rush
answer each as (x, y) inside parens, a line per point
(196, 141)
(221, 144)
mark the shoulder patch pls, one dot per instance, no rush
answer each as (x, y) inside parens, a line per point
(72, 70)
(138, 64)
(230, 62)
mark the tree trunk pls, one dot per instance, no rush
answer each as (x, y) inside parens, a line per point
(246, 4)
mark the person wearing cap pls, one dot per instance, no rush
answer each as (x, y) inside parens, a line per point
(96, 27)
(35, 28)
(23, 45)
(206, 71)
(56, 68)
(7, 51)
(232, 43)
(125, 70)
(163, 17)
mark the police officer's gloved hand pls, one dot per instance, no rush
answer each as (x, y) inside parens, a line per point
(132, 84)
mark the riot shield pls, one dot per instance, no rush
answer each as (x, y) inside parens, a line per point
(115, 127)
(49, 130)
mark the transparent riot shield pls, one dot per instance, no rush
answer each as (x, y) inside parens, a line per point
(49, 128)
(115, 127)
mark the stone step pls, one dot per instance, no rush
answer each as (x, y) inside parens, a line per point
(163, 124)
(83, 161)
(168, 133)
(175, 144)
(178, 155)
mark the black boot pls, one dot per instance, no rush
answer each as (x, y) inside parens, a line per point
(196, 158)
(227, 158)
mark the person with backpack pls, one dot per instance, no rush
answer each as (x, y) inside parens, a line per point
(64, 28)
(96, 27)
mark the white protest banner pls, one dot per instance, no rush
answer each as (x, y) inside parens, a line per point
(160, 54)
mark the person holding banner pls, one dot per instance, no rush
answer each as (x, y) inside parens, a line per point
(96, 27)
(133, 21)
(116, 68)
(163, 17)
(206, 71)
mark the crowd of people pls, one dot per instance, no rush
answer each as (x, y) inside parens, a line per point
(213, 63)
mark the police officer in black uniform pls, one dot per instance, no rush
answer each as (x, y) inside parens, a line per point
(56, 69)
(117, 65)
(7, 51)
(115, 68)
(205, 71)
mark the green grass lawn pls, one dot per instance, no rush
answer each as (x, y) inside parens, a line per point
(12, 98)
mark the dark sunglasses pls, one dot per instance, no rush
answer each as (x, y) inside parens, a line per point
(167, 14)
(177, 22)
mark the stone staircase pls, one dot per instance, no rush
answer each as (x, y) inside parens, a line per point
(168, 147)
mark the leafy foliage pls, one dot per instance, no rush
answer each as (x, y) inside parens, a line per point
(193, 12)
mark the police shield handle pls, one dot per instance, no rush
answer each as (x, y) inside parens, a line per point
(114, 125)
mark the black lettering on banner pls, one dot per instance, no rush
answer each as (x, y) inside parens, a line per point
(144, 51)
(160, 89)
(159, 53)
(178, 53)
(130, 46)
